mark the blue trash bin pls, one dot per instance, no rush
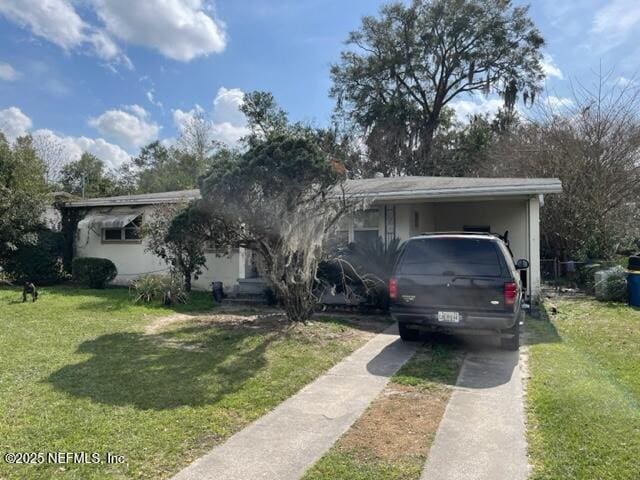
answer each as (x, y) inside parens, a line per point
(633, 284)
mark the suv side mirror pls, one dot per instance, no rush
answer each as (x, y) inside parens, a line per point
(522, 264)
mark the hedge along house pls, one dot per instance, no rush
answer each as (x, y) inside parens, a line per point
(397, 207)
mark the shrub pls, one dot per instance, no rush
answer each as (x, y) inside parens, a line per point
(362, 269)
(167, 289)
(39, 262)
(93, 272)
(616, 286)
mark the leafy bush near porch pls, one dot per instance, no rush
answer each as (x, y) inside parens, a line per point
(93, 272)
(166, 289)
(39, 261)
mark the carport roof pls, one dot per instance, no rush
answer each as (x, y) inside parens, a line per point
(384, 188)
(398, 188)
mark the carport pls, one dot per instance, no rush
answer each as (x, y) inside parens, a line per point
(402, 207)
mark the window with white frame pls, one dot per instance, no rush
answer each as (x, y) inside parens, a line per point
(339, 234)
(366, 226)
(129, 233)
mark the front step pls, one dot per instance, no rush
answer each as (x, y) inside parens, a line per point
(251, 286)
(245, 299)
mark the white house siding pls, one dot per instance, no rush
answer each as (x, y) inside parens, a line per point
(131, 259)
(499, 215)
(520, 216)
(517, 215)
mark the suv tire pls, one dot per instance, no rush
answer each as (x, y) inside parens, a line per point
(408, 334)
(512, 343)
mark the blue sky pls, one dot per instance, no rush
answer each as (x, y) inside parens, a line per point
(108, 76)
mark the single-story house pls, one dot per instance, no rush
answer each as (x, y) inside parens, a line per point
(397, 207)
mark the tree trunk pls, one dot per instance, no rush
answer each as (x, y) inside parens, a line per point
(425, 164)
(187, 281)
(292, 287)
(299, 302)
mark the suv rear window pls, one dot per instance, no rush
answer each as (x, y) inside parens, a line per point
(450, 256)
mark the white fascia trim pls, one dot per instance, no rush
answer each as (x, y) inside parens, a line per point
(461, 192)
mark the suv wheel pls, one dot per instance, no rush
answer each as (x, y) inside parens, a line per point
(512, 343)
(408, 334)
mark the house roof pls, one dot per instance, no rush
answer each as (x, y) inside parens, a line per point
(384, 188)
(142, 199)
(398, 188)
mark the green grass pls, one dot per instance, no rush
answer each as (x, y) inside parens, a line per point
(584, 393)
(79, 374)
(435, 364)
(431, 371)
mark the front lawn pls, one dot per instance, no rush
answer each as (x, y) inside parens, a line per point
(87, 371)
(584, 392)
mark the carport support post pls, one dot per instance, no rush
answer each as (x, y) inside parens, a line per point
(534, 247)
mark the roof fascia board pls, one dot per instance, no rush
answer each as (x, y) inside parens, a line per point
(460, 192)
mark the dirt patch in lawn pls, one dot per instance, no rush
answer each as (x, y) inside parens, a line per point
(240, 319)
(161, 323)
(400, 424)
(355, 327)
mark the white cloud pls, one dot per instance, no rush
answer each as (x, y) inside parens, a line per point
(182, 118)
(226, 106)
(55, 20)
(228, 123)
(465, 108)
(58, 22)
(558, 103)
(107, 49)
(152, 99)
(549, 68)
(613, 23)
(14, 123)
(8, 73)
(137, 110)
(128, 126)
(179, 29)
(73, 147)
(228, 133)
(112, 154)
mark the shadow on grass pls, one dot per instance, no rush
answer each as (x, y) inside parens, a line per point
(436, 362)
(192, 366)
(540, 330)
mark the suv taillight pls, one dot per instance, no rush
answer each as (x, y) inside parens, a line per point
(393, 289)
(510, 293)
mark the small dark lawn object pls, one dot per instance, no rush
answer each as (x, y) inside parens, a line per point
(29, 289)
(217, 291)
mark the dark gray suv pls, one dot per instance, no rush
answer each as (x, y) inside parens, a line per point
(463, 283)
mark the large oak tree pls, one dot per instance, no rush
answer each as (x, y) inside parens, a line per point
(404, 67)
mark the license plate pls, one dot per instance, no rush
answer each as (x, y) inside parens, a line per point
(449, 317)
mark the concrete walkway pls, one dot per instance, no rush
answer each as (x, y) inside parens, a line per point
(481, 435)
(287, 441)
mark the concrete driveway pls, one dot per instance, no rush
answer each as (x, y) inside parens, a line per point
(284, 443)
(482, 433)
